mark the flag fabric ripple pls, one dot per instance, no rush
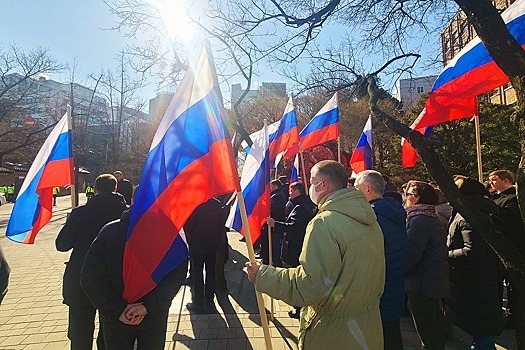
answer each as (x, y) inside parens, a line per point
(190, 161)
(323, 127)
(362, 156)
(52, 167)
(255, 185)
(286, 136)
(294, 177)
(470, 73)
(409, 155)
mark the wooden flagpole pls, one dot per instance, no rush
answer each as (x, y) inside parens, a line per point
(305, 180)
(251, 256)
(478, 148)
(73, 186)
(339, 149)
(270, 260)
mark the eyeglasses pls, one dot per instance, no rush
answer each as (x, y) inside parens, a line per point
(410, 194)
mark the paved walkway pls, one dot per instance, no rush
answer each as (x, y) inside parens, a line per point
(32, 315)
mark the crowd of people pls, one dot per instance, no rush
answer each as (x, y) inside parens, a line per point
(350, 255)
(432, 263)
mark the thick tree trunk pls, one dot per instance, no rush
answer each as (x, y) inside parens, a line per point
(507, 252)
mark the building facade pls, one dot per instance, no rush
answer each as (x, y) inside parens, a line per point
(458, 34)
(265, 90)
(409, 91)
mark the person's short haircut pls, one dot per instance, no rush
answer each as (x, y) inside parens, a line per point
(426, 193)
(105, 183)
(118, 172)
(332, 171)
(277, 183)
(283, 179)
(299, 186)
(351, 181)
(503, 174)
(372, 178)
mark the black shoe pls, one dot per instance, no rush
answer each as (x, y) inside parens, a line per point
(293, 314)
(195, 308)
(210, 308)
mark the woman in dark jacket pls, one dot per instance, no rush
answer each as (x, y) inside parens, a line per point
(473, 304)
(426, 281)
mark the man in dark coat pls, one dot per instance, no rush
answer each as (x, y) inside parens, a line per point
(509, 222)
(124, 186)
(78, 233)
(277, 209)
(391, 217)
(123, 323)
(294, 228)
(204, 229)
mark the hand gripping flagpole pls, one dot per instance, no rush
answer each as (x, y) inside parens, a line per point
(251, 256)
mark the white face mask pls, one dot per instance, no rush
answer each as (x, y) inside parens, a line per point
(313, 193)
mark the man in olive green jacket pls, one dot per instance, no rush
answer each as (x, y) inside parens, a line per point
(341, 275)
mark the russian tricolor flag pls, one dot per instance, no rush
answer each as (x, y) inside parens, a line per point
(409, 155)
(189, 162)
(323, 127)
(470, 73)
(255, 185)
(286, 135)
(52, 167)
(362, 155)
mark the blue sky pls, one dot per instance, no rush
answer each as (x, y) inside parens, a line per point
(79, 29)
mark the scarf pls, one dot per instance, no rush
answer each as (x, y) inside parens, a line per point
(421, 209)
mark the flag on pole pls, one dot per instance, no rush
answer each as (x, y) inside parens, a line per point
(295, 170)
(190, 161)
(323, 127)
(362, 155)
(409, 155)
(52, 167)
(470, 73)
(255, 185)
(286, 135)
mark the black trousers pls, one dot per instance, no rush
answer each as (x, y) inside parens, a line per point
(81, 327)
(426, 313)
(392, 335)
(150, 334)
(203, 291)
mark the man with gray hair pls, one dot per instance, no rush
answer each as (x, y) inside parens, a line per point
(341, 274)
(392, 219)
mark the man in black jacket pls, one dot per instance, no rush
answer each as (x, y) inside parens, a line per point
(294, 228)
(78, 233)
(124, 186)
(510, 223)
(204, 229)
(146, 319)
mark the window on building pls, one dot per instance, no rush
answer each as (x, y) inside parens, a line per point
(420, 89)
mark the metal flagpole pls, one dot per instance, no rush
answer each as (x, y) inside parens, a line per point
(478, 148)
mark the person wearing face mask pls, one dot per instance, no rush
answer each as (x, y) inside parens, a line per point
(341, 272)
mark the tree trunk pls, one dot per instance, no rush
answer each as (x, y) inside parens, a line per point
(506, 251)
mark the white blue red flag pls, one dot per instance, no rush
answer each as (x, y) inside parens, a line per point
(294, 177)
(323, 127)
(470, 73)
(362, 155)
(52, 167)
(286, 136)
(409, 155)
(255, 186)
(190, 161)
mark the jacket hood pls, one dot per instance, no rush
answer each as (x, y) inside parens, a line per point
(390, 209)
(349, 202)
